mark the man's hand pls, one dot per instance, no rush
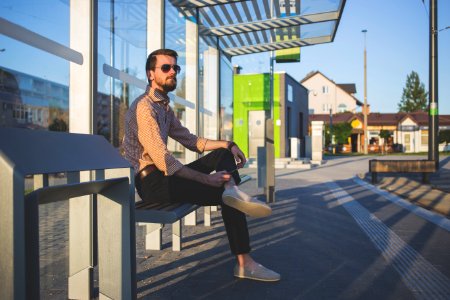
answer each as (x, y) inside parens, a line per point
(239, 156)
(218, 179)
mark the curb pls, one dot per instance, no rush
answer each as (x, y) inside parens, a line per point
(417, 193)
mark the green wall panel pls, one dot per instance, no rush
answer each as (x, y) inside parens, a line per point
(252, 92)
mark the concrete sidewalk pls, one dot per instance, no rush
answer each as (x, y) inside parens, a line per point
(434, 196)
(329, 238)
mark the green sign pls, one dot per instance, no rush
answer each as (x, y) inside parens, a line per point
(287, 55)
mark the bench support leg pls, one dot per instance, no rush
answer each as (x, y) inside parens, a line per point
(374, 177)
(80, 284)
(153, 237)
(191, 219)
(116, 240)
(82, 255)
(425, 177)
(207, 216)
(176, 236)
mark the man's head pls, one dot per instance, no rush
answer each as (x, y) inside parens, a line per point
(162, 69)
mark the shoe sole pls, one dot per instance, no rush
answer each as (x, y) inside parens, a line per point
(257, 278)
(252, 209)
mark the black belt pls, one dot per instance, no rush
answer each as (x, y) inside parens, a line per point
(147, 170)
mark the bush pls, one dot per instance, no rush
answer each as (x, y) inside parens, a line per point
(397, 147)
(444, 136)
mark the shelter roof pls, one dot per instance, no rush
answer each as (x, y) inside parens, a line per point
(244, 27)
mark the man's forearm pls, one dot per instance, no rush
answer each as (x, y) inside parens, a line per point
(213, 145)
(189, 173)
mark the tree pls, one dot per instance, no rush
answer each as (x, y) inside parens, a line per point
(414, 96)
(341, 132)
(444, 136)
(58, 125)
(385, 135)
(327, 135)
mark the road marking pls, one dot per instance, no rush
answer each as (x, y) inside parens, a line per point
(428, 215)
(420, 276)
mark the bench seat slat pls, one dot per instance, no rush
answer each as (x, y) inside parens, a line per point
(169, 214)
(158, 206)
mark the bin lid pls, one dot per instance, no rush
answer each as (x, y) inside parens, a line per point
(40, 152)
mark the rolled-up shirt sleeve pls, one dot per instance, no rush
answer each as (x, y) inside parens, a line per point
(149, 135)
(182, 135)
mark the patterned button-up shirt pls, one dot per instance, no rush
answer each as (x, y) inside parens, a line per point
(148, 124)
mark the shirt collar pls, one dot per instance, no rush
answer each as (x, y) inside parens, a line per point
(158, 96)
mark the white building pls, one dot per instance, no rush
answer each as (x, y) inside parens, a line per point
(325, 95)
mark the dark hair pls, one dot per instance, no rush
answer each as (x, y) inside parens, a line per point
(151, 60)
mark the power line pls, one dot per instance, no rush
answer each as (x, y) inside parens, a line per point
(425, 7)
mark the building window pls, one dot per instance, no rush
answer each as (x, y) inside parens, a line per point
(326, 107)
(325, 89)
(342, 107)
(290, 93)
(424, 138)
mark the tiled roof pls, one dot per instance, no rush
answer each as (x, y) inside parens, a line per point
(381, 119)
(348, 87)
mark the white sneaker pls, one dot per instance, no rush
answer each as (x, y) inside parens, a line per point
(249, 205)
(256, 272)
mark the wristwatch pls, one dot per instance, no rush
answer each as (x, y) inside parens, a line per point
(230, 145)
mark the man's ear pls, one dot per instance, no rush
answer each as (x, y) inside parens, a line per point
(151, 75)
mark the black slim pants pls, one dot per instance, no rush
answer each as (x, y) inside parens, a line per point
(156, 187)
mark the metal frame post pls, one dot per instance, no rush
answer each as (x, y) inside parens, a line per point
(433, 115)
(269, 140)
(366, 140)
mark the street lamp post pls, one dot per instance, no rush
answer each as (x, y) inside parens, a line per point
(365, 93)
(433, 145)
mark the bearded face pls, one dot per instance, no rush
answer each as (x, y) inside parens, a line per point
(167, 83)
(164, 81)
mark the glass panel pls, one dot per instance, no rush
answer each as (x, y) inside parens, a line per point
(122, 43)
(207, 91)
(317, 6)
(175, 38)
(317, 29)
(49, 18)
(34, 84)
(226, 100)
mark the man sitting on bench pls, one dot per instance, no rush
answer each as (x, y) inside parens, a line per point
(162, 178)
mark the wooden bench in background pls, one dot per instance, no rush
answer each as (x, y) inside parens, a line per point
(402, 166)
(156, 215)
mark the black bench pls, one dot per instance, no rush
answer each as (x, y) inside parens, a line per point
(402, 166)
(156, 215)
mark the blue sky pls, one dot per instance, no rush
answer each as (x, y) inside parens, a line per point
(397, 43)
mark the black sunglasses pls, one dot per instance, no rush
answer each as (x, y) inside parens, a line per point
(166, 68)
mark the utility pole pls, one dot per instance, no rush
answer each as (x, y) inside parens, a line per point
(433, 115)
(365, 93)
